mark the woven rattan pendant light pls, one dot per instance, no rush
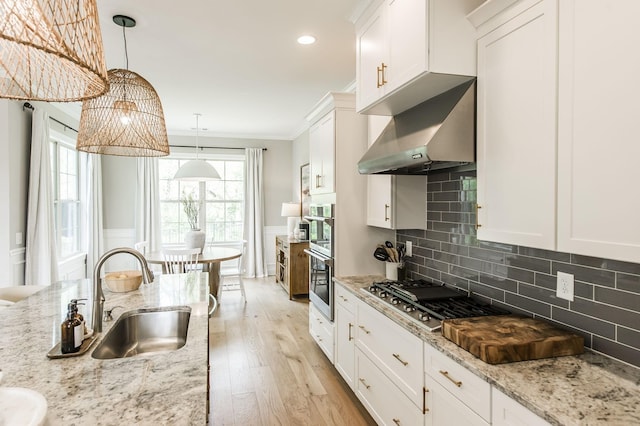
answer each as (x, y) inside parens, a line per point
(128, 120)
(197, 170)
(51, 50)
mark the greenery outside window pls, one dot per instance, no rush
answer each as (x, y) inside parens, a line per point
(222, 207)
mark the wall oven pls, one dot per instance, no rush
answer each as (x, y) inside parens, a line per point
(321, 229)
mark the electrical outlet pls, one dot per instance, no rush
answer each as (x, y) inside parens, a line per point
(564, 287)
(18, 238)
(409, 247)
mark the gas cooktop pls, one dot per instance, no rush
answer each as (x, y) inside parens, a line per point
(429, 303)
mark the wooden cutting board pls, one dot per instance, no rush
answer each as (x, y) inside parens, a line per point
(509, 338)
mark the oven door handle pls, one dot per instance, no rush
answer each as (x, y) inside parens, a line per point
(327, 220)
(326, 260)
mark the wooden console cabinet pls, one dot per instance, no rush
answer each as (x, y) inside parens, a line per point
(292, 265)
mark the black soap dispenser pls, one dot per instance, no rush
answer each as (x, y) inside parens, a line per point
(71, 332)
(79, 316)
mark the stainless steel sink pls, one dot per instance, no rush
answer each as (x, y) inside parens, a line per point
(144, 331)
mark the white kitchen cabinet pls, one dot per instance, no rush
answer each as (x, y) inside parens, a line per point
(507, 412)
(352, 236)
(442, 408)
(345, 323)
(598, 129)
(394, 202)
(322, 331)
(411, 50)
(394, 350)
(462, 384)
(382, 398)
(516, 127)
(321, 155)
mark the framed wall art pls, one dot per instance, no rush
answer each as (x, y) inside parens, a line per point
(305, 194)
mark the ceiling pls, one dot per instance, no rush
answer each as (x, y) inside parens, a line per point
(236, 62)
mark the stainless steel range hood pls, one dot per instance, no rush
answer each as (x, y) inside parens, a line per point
(436, 134)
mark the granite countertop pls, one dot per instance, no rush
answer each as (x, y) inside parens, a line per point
(159, 388)
(587, 389)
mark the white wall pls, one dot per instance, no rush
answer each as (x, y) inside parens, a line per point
(5, 185)
(300, 156)
(15, 149)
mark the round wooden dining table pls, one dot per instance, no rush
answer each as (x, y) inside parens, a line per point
(210, 258)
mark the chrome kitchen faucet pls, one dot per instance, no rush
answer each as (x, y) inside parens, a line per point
(98, 295)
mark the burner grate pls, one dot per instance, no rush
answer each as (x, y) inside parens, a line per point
(425, 300)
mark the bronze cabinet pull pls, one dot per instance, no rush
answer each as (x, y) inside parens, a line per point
(424, 400)
(397, 356)
(364, 383)
(446, 374)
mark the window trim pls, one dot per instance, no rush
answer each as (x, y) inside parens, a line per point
(61, 139)
(190, 154)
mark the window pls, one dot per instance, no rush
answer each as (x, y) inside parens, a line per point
(65, 170)
(222, 209)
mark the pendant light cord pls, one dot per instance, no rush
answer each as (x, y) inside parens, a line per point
(126, 54)
(197, 134)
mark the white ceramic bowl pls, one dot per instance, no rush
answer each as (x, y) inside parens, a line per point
(22, 407)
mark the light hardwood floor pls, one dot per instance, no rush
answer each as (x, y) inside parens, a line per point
(266, 369)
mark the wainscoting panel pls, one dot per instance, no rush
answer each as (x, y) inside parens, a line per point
(270, 233)
(18, 260)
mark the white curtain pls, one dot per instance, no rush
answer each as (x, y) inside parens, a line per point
(254, 214)
(41, 261)
(148, 203)
(95, 234)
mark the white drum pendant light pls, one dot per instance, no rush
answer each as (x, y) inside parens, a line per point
(197, 170)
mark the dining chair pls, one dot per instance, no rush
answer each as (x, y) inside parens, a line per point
(232, 269)
(142, 247)
(180, 260)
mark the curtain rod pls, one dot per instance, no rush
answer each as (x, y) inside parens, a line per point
(213, 147)
(27, 105)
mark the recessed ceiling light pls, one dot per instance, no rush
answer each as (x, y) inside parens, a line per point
(306, 39)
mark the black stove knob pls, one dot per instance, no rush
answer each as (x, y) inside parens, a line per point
(395, 300)
(373, 289)
(409, 308)
(383, 294)
(423, 316)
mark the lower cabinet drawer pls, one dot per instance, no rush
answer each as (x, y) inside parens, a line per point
(397, 352)
(460, 382)
(321, 329)
(384, 401)
(345, 298)
(444, 409)
(507, 412)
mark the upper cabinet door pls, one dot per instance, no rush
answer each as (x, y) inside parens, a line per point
(321, 155)
(407, 27)
(380, 201)
(516, 139)
(372, 56)
(598, 198)
(409, 51)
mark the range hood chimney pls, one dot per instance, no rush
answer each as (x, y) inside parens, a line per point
(436, 134)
